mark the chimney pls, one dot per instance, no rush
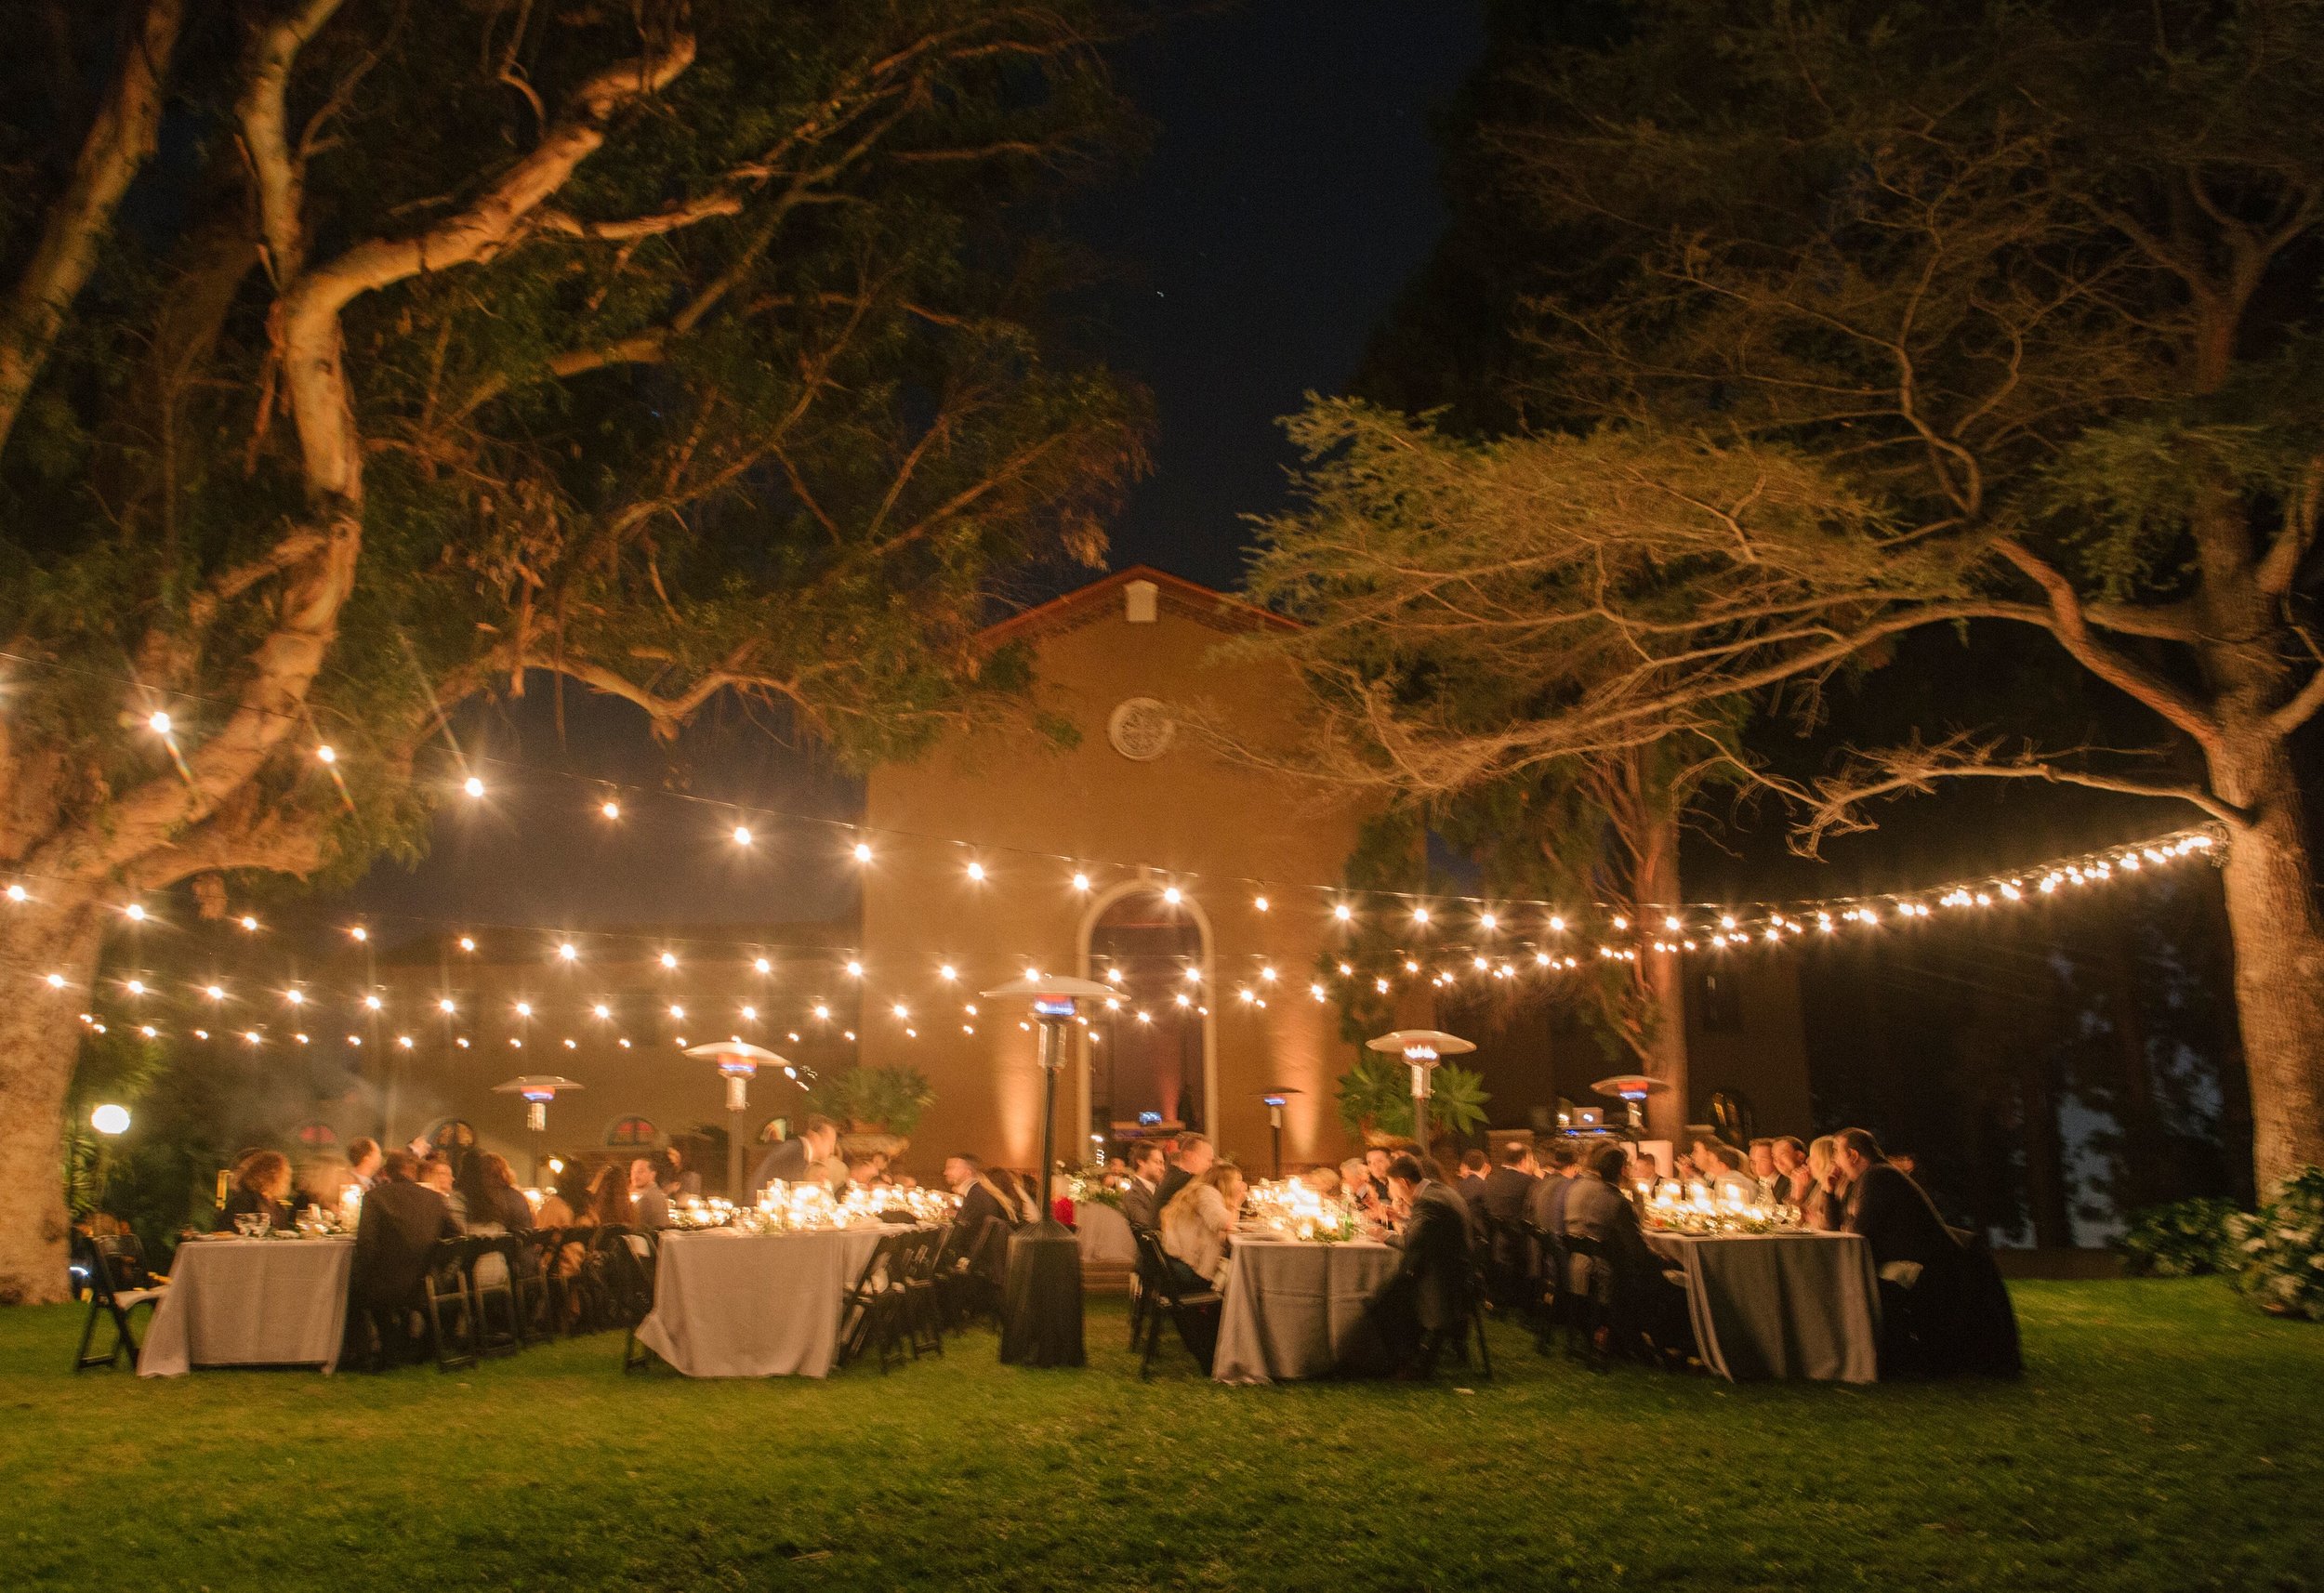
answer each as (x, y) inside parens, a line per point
(1138, 602)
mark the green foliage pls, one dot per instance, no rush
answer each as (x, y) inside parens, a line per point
(890, 1099)
(1375, 1095)
(2279, 1248)
(2184, 1239)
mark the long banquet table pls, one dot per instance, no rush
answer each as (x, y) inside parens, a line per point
(1780, 1305)
(730, 1304)
(250, 1302)
(1290, 1306)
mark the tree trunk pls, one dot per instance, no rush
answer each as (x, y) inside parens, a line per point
(40, 1038)
(2279, 939)
(2046, 1197)
(1662, 978)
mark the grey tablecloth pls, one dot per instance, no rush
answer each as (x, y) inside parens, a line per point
(1289, 1308)
(1104, 1235)
(1781, 1305)
(728, 1304)
(250, 1302)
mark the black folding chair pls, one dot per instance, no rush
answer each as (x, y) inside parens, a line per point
(923, 1315)
(1588, 1296)
(970, 1277)
(494, 1265)
(118, 1283)
(1549, 1293)
(450, 1307)
(1141, 1283)
(871, 1309)
(1194, 1313)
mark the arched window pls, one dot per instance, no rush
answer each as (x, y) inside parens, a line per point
(1151, 1066)
(451, 1133)
(631, 1131)
(317, 1136)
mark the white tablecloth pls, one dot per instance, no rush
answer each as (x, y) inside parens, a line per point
(1289, 1308)
(250, 1302)
(729, 1304)
(1781, 1305)
(1104, 1235)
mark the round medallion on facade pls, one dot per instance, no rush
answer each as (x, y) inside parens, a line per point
(1141, 730)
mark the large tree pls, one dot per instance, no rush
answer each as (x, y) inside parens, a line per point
(359, 357)
(1865, 318)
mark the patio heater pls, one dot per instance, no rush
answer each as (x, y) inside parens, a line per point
(539, 1090)
(739, 1061)
(1631, 1090)
(1040, 1322)
(1277, 1099)
(1421, 1049)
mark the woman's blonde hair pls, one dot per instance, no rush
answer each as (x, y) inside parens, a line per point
(1819, 1155)
(1215, 1176)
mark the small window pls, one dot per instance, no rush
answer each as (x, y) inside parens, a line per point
(631, 1131)
(318, 1136)
(1714, 1005)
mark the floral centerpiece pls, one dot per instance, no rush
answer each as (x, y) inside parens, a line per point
(1289, 1207)
(1094, 1186)
(928, 1206)
(1699, 1210)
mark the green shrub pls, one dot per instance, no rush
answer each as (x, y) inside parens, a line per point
(1376, 1098)
(2186, 1239)
(2279, 1248)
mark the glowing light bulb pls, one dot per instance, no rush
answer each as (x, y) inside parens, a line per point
(1184, 1000)
(358, 934)
(159, 723)
(296, 997)
(251, 1035)
(947, 973)
(467, 942)
(373, 1002)
(742, 834)
(326, 754)
(135, 987)
(444, 1006)
(610, 808)
(823, 1013)
(750, 1015)
(1557, 924)
(601, 1010)
(1726, 920)
(1081, 882)
(761, 965)
(1173, 895)
(1260, 902)
(1488, 920)
(16, 893)
(568, 952)
(668, 959)
(404, 1041)
(1193, 974)
(976, 871)
(1316, 990)
(1670, 921)
(55, 981)
(1268, 974)
(524, 1009)
(901, 1011)
(135, 911)
(249, 923)
(1419, 915)
(863, 852)
(676, 1011)
(473, 786)
(855, 969)
(214, 991)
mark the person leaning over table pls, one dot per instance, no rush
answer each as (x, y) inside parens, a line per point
(1194, 1156)
(1424, 1304)
(401, 1221)
(797, 1159)
(262, 1185)
(1196, 1224)
(1141, 1202)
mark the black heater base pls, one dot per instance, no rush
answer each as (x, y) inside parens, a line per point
(1040, 1314)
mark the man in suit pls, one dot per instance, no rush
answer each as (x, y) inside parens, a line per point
(363, 1160)
(1545, 1201)
(1469, 1186)
(964, 1176)
(1889, 1209)
(1938, 1311)
(1141, 1202)
(1194, 1156)
(1507, 1186)
(1500, 1200)
(401, 1221)
(1424, 1305)
(799, 1158)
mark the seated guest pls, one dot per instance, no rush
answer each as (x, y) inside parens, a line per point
(1197, 1221)
(1793, 1178)
(649, 1205)
(1507, 1186)
(561, 1204)
(1762, 1167)
(610, 1206)
(1324, 1182)
(1425, 1303)
(1355, 1183)
(1141, 1202)
(1469, 1186)
(863, 1174)
(490, 1197)
(262, 1185)
(797, 1159)
(964, 1176)
(401, 1221)
(1194, 1158)
(362, 1160)
(435, 1172)
(674, 1176)
(1645, 1309)
(1825, 1208)
(1941, 1309)
(1377, 1159)
(1545, 1201)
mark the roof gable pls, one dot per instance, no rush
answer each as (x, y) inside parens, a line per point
(1173, 594)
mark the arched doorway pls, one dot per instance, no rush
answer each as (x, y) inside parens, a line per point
(1149, 1073)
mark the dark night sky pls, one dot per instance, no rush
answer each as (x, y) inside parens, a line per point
(1289, 194)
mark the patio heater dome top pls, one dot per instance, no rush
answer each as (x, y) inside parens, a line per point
(1401, 1041)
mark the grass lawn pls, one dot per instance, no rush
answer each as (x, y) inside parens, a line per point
(2165, 1437)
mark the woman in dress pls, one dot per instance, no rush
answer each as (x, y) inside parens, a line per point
(489, 1195)
(1196, 1224)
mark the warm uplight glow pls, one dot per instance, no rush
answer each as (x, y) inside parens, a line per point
(110, 1119)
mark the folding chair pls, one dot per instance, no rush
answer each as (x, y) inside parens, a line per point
(118, 1283)
(1587, 1294)
(1194, 1313)
(924, 1317)
(1140, 1283)
(450, 1308)
(493, 1280)
(870, 1308)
